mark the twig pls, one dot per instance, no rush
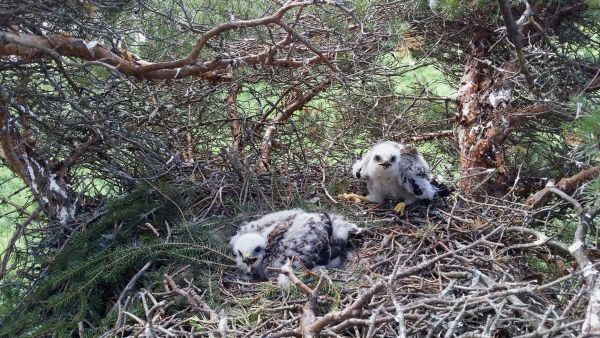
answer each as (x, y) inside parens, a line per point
(130, 285)
(192, 297)
(13, 239)
(515, 37)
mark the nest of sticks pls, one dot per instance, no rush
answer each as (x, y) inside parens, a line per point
(457, 268)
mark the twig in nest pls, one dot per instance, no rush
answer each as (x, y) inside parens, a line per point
(192, 297)
(153, 229)
(325, 188)
(130, 285)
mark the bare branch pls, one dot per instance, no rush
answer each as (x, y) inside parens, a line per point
(516, 38)
(13, 239)
(31, 46)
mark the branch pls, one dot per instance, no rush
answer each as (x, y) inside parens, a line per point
(75, 155)
(286, 269)
(13, 239)
(577, 249)
(429, 136)
(47, 180)
(338, 316)
(570, 184)
(58, 46)
(130, 285)
(522, 115)
(591, 324)
(193, 298)
(542, 239)
(307, 44)
(308, 317)
(594, 83)
(236, 125)
(567, 184)
(283, 117)
(515, 37)
(423, 265)
(191, 59)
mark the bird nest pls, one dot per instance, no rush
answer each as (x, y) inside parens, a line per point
(458, 268)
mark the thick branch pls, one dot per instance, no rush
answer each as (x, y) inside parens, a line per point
(566, 184)
(191, 59)
(430, 136)
(480, 131)
(594, 84)
(47, 180)
(570, 184)
(59, 46)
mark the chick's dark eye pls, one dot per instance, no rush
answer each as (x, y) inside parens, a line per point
(377, 158)
(392, 159)
(257, 250)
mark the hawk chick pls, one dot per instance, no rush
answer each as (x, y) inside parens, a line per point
(309, 239)
(393, 171)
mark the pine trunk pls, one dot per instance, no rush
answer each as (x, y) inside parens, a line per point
(482, 129)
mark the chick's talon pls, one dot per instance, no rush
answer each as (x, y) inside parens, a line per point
(399, 208)
(352, 197)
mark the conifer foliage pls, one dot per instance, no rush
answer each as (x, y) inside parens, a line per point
(82, 279)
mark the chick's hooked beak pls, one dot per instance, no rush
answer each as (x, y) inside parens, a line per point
(248, 261)
(385, 163)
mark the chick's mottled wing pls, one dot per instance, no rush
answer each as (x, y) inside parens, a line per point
(414, 173)
(314, 248)
(265, 225)
(275, 252)
(306, 241)
(323, 245)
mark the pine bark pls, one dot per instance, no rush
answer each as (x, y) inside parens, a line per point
(47, 178)
(482, 129)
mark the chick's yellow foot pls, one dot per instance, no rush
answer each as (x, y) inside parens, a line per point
(352, 198)
(399, 208)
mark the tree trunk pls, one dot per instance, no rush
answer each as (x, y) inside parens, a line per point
(482, 128)
(47, 180)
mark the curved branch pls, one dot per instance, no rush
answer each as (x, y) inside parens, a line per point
(282, 117)
(567, 184)
(58, 46)
(191, 59)
(430, 136)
